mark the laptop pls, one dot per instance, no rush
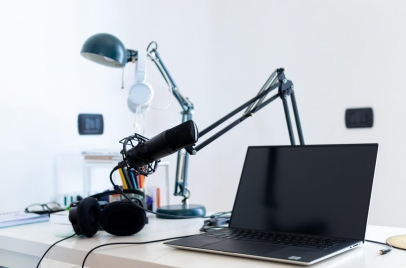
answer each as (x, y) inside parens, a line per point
(296, 204)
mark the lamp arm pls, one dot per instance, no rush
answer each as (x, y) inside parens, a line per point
(187, 106)
(184, 102)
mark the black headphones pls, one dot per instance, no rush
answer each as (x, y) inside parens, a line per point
(116, 218)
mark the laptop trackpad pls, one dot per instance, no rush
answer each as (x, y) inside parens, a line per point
(244, 247)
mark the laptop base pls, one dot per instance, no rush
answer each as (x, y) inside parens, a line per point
(292, 255)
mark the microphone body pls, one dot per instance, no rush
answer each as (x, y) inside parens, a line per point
(164, 144)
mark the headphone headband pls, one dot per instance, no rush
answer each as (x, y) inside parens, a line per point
(141, 69)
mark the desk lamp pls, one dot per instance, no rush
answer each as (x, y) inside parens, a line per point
(108, 50)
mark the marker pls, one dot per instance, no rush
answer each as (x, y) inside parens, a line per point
(132, 177)
(125, 186)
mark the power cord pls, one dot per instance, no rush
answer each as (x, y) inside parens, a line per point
(130, 243)
(216, 216)
(216, 221)
(382, 251)
(51, 247)
(109, 244)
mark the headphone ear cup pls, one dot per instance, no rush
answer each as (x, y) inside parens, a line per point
(140, 95)
(88, 216)
(122, 218)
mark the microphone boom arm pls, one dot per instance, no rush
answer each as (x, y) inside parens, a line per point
(285, 90)
(184, 102)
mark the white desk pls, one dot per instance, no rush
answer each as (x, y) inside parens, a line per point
(22, 246)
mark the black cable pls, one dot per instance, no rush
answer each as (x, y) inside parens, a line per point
(51, 247)
(130, 243)
(206, 228)
(118, 190)
(213, 223)
(382, 251)
(218, 214)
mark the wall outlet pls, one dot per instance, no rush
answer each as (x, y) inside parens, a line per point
(90, 124)
(359, 118)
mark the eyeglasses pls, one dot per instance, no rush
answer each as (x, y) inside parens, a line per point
(47, 208)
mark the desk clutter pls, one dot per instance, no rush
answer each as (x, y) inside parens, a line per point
(129, 179)
(117, 218)
(15, 218)
(32, 214)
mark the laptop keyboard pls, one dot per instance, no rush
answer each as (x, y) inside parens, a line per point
(280, 239)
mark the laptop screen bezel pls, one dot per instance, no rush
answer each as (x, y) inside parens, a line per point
(302, 146)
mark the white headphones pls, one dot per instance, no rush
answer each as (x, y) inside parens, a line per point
(141, 93)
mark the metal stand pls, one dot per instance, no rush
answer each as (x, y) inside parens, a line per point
(181, 178)
(285, 89)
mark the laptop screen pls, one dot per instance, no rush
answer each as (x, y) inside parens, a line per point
(320, 190)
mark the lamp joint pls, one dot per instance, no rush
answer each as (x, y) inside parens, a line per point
(131, 55)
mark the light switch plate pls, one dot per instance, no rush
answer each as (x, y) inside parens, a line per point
(90, 124)
(359, 118)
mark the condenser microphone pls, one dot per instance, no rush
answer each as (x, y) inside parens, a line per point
(164, 144)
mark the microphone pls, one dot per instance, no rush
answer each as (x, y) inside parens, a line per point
(163, 144)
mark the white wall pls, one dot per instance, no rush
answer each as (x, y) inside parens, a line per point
(45, 84)
(340, 55)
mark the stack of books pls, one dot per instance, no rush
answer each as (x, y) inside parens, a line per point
(102, 155)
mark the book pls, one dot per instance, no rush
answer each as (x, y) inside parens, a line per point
(110, 152)
(15, 218)
(102, 155)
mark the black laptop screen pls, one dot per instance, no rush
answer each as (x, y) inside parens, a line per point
(318, 190)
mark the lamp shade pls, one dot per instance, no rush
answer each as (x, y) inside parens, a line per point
(105, 49)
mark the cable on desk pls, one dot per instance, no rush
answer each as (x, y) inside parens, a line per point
(205, 228)
(216, 221)
(52, 246)
(130, 243)
(382, 251)
(218, 214)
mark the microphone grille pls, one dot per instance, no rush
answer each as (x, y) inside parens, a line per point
(182, 135)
